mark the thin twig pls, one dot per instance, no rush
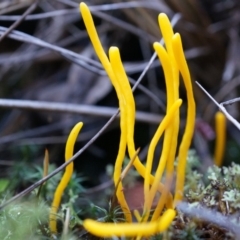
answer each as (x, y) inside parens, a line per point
(76, 109)
(221, 95)
(211, 216)
(104, 7)
(99, 188)
(126, 26)
(230, 102)
(22, 17)
(66, 224)
(222, 108)
(23, 37)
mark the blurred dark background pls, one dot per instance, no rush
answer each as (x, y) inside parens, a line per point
(210, 32)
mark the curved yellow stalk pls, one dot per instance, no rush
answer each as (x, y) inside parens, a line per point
(108, 230)
(164, 124)
(190, 122)
(220, 125)
(65, 178)
(171, 73)
(121, 153)
(168, 136)
(167, 68)
(167, 33)
(88, 21)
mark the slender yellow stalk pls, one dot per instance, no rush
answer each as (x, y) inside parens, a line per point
(167, 32)
(220, 125)
(171, 73)
(167, 120)
(190, 122)
(167, 68)
(108, 230)
(88, 21)
(65, 178)
(168, 73)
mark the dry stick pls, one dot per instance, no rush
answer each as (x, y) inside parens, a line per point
(23, 37)
(129, 27)
(66, 224)
(230, 102)
(222, 94)
(222, 108)
(114, 200)
(41, 181)
(211, 216)
(102, 7)
(75, 108)
(23, 16)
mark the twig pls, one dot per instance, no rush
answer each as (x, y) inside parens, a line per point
(211, 216)
(222, 108)
(103, 7)
(23, 37)
(129, 27)
(99, 188)
(66, 224)
(23, 16)
(76, 109)
(222, 94)
(230, 102)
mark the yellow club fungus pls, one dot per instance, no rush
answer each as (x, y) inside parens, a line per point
(167, 33)
(65, 178)
(130, 229)
(171, 74)
(168, 119)
(190, 121)
(220, 125)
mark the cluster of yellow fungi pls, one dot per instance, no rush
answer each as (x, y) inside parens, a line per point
(173, 62)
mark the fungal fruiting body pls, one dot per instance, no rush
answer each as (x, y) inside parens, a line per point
(220, 125)
(65, 178)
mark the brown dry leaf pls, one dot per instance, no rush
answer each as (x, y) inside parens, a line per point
(135, 197)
